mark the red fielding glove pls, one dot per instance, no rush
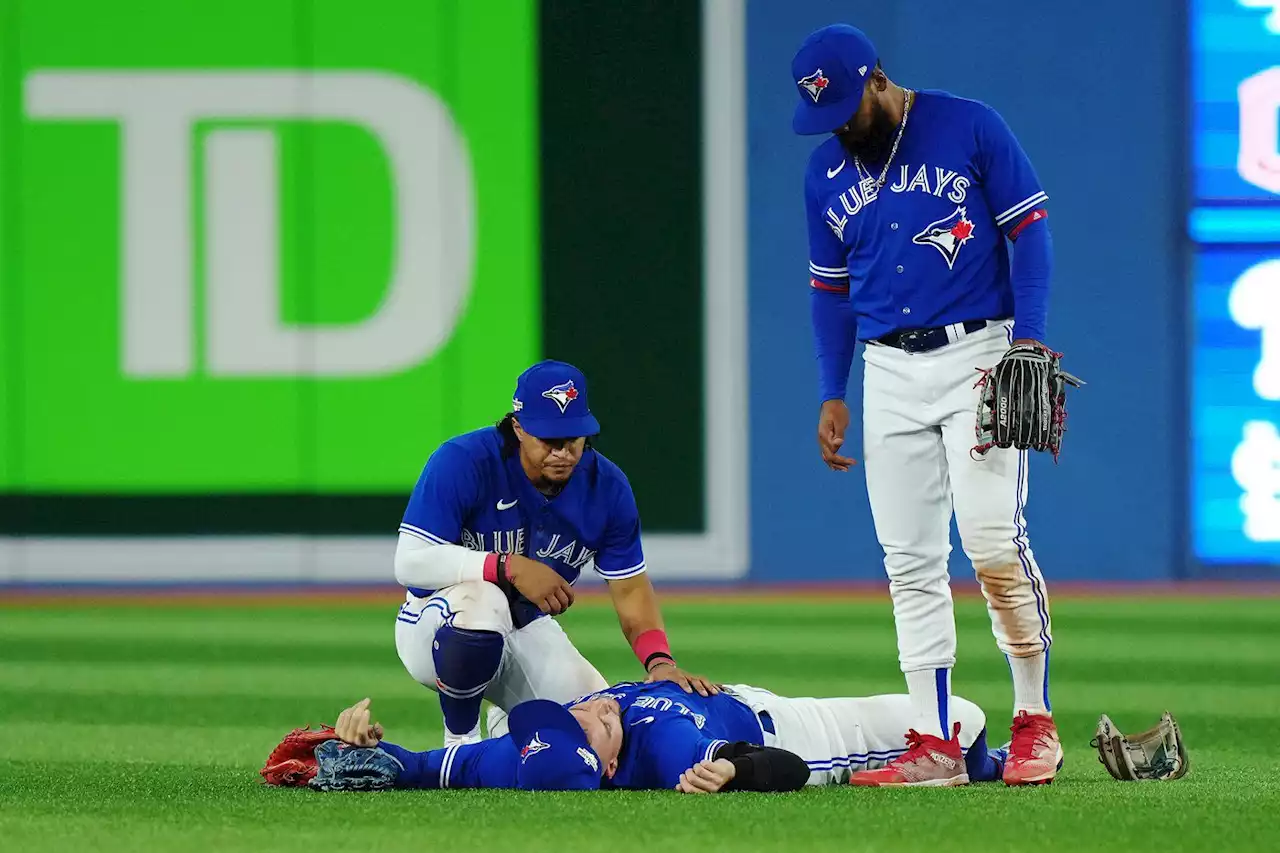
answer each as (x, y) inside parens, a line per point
(293, 762)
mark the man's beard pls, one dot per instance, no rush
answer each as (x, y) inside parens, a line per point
(875, 146)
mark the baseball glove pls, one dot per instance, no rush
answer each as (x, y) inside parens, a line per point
(293, 762)
(352, 768)
(1157, 753)
(1023, 401)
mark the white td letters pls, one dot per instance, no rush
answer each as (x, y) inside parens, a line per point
(434, 213)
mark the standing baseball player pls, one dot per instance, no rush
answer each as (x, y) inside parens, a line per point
(912, 203)
(496, 532)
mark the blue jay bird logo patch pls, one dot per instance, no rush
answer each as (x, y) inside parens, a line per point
(563, 394)
(814, 84)
(532, 748)
(947, 235)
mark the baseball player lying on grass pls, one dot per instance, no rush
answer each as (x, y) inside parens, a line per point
(643, 736)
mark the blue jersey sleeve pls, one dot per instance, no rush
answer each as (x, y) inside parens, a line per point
(1008, 180)
(621, 555)
(828, 261)
(835, 326)
(672, 746)
(446, 493)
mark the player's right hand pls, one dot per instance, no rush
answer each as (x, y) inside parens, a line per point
(353, 726)
(540, 584)
(832, 422)
(707, 777)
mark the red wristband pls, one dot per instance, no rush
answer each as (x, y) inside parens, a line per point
(650, 643)
(491, 568)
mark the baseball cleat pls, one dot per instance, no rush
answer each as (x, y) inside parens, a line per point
(929, 762)
(451, 739)
(1035, 753)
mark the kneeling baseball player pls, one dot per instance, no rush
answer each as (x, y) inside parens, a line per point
(643, 736)
(495, 534)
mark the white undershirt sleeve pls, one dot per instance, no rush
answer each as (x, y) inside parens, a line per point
(434, 566)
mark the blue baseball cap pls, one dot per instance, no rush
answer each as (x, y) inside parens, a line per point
(831, 69)
(554, 753)
(551, 402)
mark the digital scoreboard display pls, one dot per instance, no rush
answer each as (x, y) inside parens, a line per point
(1234, 225)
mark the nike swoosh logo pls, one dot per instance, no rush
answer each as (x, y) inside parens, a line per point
(644, 720)
(831, 173)
(506, 505)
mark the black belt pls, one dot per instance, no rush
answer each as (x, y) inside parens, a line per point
(766, 722)
(924, 340)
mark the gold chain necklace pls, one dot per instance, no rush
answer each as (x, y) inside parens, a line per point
(908, 98)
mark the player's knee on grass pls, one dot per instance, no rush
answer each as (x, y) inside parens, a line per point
(480, 606)
(466, 663)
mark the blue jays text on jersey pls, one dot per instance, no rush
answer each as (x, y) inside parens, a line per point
(666, 731)
(473, 495)
(927, 248)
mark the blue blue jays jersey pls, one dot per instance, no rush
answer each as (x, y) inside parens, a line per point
(927, 248)
(493, 763)
(469, 494)
(666, 731)
(487, 764)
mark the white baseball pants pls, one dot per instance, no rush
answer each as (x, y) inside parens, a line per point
(919, 415)
(839, 737)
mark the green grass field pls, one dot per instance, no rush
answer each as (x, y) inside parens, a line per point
(142, 728)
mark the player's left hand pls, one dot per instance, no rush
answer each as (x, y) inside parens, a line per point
(353, 726)
(706, 777)
(687, 681)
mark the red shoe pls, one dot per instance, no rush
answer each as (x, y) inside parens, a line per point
(929, 762)
(1035, 753)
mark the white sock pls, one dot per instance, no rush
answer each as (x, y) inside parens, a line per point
(451, 739)
(496, 721)
(1030, 683)
(930, 691)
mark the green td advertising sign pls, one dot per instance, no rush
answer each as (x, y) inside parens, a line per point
(241, 249)
(258, 259)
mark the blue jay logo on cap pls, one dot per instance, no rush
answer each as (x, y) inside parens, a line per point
(563, 394)
(533, 748)
(814, 84)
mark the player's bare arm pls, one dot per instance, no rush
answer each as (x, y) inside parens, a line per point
(641, 619)
(833, 420)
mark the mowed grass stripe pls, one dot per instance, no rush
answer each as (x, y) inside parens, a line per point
(243, 746)
(74, 681)
(1255, 623)
(611, 656)
(233, 813)
(1173, 644)
(1138, 704)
